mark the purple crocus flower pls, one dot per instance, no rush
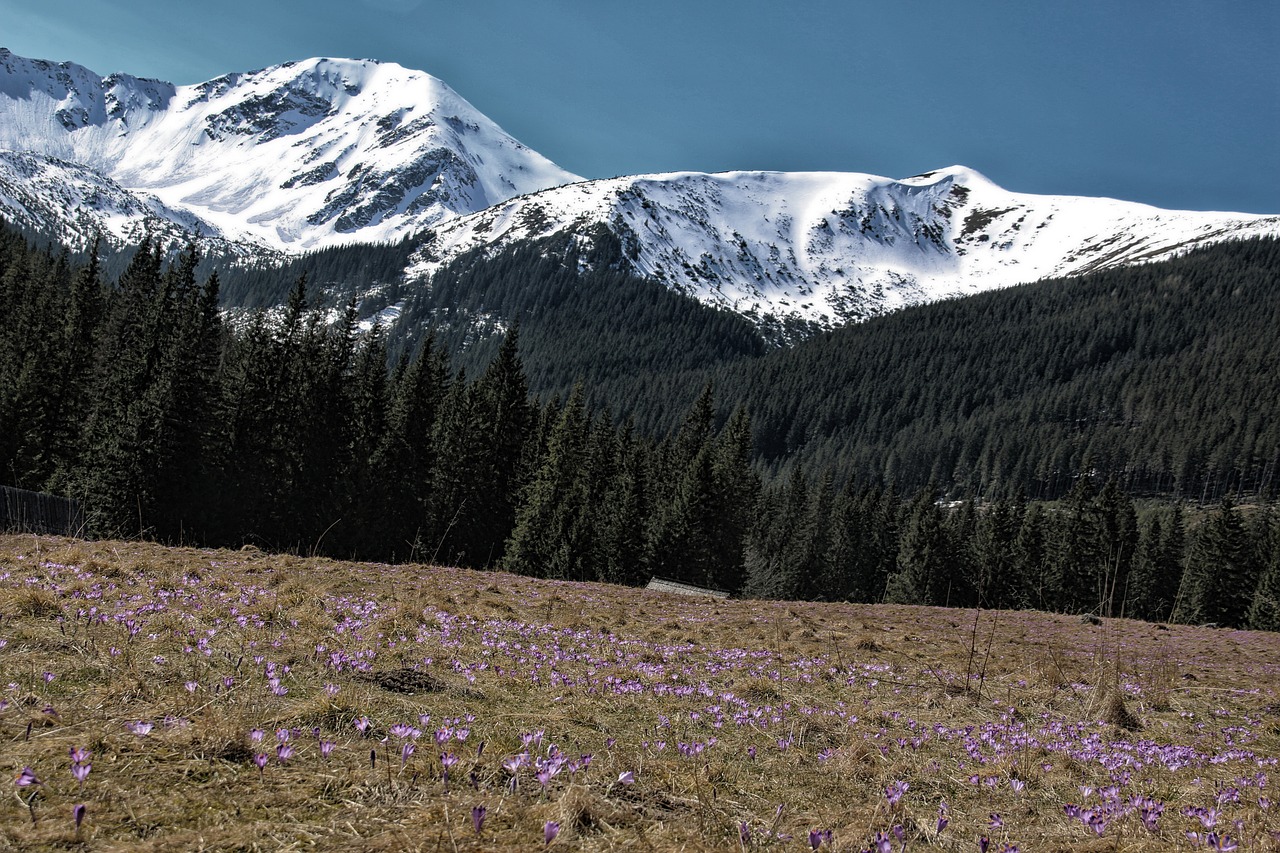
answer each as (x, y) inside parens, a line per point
(895, 791)
(477, 817)
(27, 778)
(79, 755)
(326, 747)
(284, 752)
(983, 844)
(81, 771)
(550, 831)
(626, 777)
(77, 815)
(261, 760)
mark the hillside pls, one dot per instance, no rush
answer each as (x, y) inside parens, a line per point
(262, 166)
(421, 707)
(797, 251)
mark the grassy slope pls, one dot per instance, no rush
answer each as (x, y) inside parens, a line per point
(838, 702)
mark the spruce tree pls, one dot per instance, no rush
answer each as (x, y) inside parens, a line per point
(1264, 609)
(1220, 578)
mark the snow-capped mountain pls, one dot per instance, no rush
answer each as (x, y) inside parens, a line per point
(299, 156)
(322, 152)
(831, 248)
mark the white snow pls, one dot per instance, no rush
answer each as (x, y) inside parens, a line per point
(835, 247)
(389, 151)
(323, 152)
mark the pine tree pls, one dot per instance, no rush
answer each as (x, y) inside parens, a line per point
(1264, 610)
(995, 554)
(1120, 535)
(1031, 561)
(542, 542)
(404, 463)
(1220, 578)
(923, 557)
(505, 419)
(1077, 554)
(776, 538)
(623, 534)
(736, 489)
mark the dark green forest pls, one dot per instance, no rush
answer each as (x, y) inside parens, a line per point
(758, 474)
(1161, 375)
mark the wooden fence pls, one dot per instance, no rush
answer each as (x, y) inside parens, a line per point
(34, 512)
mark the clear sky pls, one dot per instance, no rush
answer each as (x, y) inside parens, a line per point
(1171, 102)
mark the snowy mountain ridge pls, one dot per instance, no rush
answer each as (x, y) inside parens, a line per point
(831, 248)
(299, 156)
(323, 152)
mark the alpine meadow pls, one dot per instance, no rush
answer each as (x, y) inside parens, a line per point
(371, 482)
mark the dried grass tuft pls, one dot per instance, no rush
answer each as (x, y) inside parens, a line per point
(1116, 712)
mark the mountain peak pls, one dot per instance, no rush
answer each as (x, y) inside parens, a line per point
(296, 156)
(961, 175)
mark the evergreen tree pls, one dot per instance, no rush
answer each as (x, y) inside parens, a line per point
(924, 556)
(995, 555)
(1077, 554)
(1120, 535)
(1264, 609)
(543, 543)
(1219, 579)
(1031, 562)
(623, 534)
(775, 546)
(503, 417)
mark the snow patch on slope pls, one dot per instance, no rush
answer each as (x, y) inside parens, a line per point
(831, 248)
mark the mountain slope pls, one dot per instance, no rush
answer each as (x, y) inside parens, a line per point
(327, 152)
(298, 156)
(830, 248)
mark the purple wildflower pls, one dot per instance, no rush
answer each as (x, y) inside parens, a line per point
(818, 836)
(626, 777)
(27, 778)
(77, 815)
(477, 817)
(326, 747)
(895, 791)
(550, 831)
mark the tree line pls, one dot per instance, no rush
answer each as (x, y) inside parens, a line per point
(296, 431)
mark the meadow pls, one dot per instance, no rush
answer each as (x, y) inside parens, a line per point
(157, 698)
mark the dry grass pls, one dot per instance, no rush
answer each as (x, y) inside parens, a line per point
(786, 717)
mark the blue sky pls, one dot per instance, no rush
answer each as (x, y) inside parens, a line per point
(1174, 103)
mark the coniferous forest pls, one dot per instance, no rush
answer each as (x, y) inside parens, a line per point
(1099, 445)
